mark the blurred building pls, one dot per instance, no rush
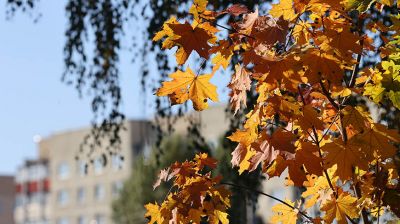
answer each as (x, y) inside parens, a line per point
(82, 190)
(68, 185)
(32, 193)
(7, 196)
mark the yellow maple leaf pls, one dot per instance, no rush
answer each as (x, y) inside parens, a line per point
(186, 85)
(153, 213)
(339, 207)
(222, 216)
(284, 8)
(199, 10)
(319, 192)
(284, 214)
(168, 33)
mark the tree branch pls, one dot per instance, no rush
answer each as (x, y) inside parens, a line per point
(270, 196)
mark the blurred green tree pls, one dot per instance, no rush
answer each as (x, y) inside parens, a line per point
(138, 189)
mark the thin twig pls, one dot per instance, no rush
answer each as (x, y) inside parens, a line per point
(364, 213)
(328, 95)
(270, 196)
(323, 165)
(226, 28)
(351, 220)
(277, 125)
(356, 67)
(291, 30)
(327, 130)
(342, 127)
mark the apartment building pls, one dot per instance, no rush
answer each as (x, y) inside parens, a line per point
(58, 188)
(82, 190)
(32, 191)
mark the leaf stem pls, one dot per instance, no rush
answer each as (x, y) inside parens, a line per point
(270, 196)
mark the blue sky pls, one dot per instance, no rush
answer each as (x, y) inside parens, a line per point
(33, 99)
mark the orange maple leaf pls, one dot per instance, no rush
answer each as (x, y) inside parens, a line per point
(190, 39)
(186, 85)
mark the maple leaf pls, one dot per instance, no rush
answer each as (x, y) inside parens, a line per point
(339, 208)
(283, 70)
(284, 214)
(239, 85)
(168, 33)
(307, 154)
(268, 31)
(199, 10)
(320, 192)
(222, 217)
(346, 156)
(203, 159)
(268, 147)
(186, 85)
(153, 213)
(285, 9)
(301, 83)
(162, 176)
(360, 5)
(321, 65)
(343, 42)
(386, 84)
(223, 54)
(309, 119)
(241, 156)
(235, 10)
(190, 39)
(248, 21)
(376, 142)
(356, 117)
(302, 32)
(285, 107)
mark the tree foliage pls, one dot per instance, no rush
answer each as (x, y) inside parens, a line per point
(305, 60)
(138, 189)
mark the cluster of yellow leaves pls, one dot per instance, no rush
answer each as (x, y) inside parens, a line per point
(197, 198)
(303, 58)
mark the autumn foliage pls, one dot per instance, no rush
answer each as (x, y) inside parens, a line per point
(304, 59)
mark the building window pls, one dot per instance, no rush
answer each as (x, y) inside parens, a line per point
(62, 221)
(20, 200)
(62, 197)
(99, 192)
(81, 194)
(117, 162)
(81, 168)
(63, 170)
(100, 219)
(98, 165)
(117, 188)
(81, 220)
